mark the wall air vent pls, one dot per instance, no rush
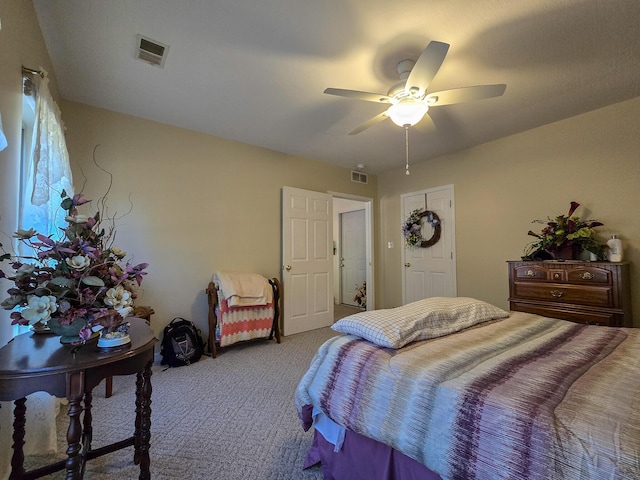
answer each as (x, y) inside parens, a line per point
(150, 51)
(359, 177)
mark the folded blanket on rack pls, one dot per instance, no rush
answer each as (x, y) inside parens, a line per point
(243, 289)
(240, 323)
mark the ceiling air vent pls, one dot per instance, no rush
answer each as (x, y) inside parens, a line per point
(150, 51)
(359, 177)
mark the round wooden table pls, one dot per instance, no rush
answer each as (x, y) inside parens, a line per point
(34, 362)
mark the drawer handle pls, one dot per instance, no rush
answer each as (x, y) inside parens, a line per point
(557, 293)
(587, 276)
(556, 275)
(530, 273)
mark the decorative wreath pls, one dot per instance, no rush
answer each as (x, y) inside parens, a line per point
(412, 228)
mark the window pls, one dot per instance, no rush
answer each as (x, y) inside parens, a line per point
(45, 169)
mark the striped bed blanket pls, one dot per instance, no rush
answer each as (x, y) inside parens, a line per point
(526, 397)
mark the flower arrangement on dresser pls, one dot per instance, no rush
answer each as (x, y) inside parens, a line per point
(565, 237)
(79, 281)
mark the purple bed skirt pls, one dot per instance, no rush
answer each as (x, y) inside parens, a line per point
(362, 458)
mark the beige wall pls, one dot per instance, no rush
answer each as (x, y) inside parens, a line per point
(500, 187)
(21, 43)
(199, 203)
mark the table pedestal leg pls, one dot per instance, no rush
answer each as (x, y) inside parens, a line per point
(17, 460)
(142, 433)
(87, 431)
(74, 433)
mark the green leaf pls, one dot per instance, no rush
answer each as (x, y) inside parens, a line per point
(93, 281)
(66, 204)
(61, 281)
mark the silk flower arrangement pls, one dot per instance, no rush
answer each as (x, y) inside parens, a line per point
(80, 278)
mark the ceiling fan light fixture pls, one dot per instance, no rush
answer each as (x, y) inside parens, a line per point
(407, 112)
(409, 98)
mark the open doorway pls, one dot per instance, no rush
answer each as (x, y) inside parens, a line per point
(353, 253)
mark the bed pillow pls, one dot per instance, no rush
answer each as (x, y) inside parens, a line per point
(429, 318)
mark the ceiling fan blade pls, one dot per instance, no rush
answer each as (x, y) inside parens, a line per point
(370, 123)
(367, 96)
(465, 94)
(426, 68)
(426, 125)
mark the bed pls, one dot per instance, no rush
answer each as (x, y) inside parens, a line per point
(455, 388)
(242, 307)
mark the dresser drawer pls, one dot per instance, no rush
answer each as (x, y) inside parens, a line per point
(597, 296)
(605, 319)
(530, 272)
(589, 275)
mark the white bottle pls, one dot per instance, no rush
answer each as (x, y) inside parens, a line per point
(615, 249)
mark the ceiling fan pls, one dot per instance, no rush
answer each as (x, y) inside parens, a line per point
(408, 99)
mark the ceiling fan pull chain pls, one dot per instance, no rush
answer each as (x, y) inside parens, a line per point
(406, 144)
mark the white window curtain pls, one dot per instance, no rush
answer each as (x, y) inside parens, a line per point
(47, 172)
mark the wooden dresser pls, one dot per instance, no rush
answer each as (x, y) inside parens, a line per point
(597, 293)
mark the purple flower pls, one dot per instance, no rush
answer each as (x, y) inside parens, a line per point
(136, 272)
(78, 200)
(116, 277)
(85, 334)
(574, 206)
(18, 319)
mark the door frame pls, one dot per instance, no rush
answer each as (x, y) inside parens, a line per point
(453, 233)
(367, 205)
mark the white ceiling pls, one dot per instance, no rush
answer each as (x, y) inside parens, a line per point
(255, 70)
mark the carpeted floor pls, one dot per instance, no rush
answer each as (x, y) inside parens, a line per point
(342, 310)
(228, 418)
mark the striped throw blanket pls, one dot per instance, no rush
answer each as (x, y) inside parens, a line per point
(237, 324)
(526, 397)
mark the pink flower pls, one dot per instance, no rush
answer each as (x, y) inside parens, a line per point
(78, 200)
(85, 334)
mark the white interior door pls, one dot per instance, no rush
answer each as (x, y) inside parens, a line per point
(430, 272)
(307, 254)
(353, 259)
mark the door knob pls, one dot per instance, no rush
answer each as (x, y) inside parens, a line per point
(287, 267)
(407, 264)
